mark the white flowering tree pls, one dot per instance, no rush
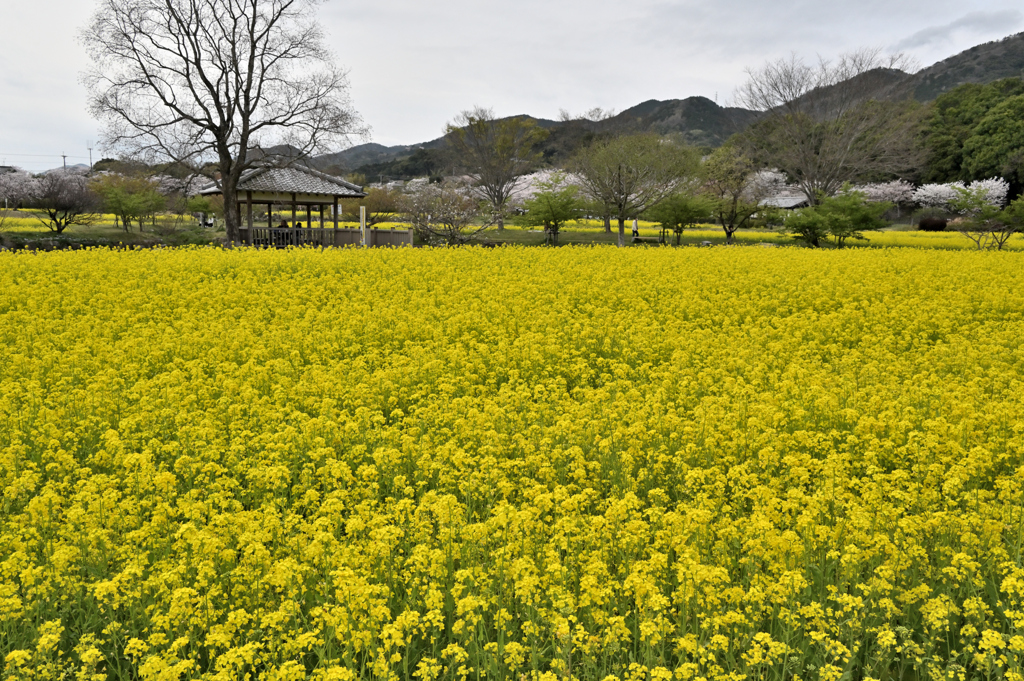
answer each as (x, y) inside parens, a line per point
(66, 198)
(530, 185)
(445, 213)
(938, 196)
(993, 190)
(15, 189)
(897, 192)
(767, 183)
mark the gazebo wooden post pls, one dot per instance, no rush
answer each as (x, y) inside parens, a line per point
(270, 223)
(335, 242)
(309, 218)
(294, 207)
(248, 220)
(321, 225)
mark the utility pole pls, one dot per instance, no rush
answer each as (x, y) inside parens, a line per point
(65, 157)
(89, 146)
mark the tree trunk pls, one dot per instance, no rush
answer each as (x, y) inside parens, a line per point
(622, 232)
(501, 223)
(232, 214)
(607, 224)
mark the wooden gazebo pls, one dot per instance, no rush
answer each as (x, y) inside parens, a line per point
(295, 187)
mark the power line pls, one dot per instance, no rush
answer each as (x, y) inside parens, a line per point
(43, 155)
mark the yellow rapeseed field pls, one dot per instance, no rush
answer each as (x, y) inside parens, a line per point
(522, 464)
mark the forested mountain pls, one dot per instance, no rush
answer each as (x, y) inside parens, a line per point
(697, 120)
(982, 64)
(977, 131)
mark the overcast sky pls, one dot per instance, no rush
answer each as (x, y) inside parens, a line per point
(415, 64)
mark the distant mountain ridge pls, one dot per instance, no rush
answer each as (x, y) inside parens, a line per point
(980, 64)
(698, 120)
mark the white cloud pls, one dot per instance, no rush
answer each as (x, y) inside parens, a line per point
(414, 65)
(985, 24)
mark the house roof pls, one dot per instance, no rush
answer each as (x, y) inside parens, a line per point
(292, 180)
(786, 201)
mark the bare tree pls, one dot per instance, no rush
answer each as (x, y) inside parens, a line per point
(627, 175)
(215, 83)
(444, 213)
(66, 199)
(595, 115)
(832, 122)
(495, 153)
(382, 204)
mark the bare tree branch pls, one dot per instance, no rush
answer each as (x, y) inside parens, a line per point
(832, 122)
(495, 153)
(216, 84)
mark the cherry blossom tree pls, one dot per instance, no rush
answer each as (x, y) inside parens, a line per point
(994, 190)
(938, 196)
(66, 199)
(15, 189)
(445, 213)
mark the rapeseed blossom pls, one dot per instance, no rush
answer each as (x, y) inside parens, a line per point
(523, 464)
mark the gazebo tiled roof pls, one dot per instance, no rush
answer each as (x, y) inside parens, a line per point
(292, 180)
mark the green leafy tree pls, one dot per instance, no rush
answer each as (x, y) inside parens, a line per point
(1013, 221)
(680, 211)
(842, 217)
(495, 153)
(958, 147)
(849, 214)
(983, 222)
(131, 199)
(630, 174)
(729, 182)
(996, 146)
(808, 225)
(554, 205)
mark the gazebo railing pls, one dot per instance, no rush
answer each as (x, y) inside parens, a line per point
(282, 237)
